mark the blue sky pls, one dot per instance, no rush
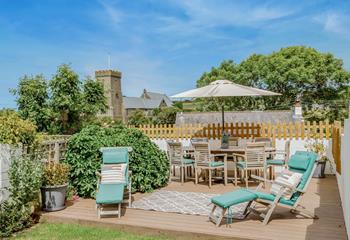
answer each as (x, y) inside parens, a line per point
(162, 45)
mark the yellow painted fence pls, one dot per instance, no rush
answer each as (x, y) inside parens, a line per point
(302, 130)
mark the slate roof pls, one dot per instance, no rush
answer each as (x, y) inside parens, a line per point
(236, 116)
(148, 100)
(141, 103)
(154, 95)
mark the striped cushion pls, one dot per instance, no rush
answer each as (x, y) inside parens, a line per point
(113, 173)
(288, 178)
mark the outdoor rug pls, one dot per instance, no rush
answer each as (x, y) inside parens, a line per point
(191, 203)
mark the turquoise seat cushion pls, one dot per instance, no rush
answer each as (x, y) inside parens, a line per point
(241, 164)
(232, 198)
(216, 164)
(270, 197)
(312, 158)
(278, 162)
(116, 156)
(110, 193)
(299, 162)
(188, 161)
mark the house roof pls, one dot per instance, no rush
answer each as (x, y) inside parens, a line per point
(236, 116)
(141, 103)
(154, 95)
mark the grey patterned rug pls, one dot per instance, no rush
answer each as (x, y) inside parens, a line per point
(185, 203)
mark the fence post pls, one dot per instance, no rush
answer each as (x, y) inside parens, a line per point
(56, 157)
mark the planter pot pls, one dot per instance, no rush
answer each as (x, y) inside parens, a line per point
(53, 197)
(319, 171)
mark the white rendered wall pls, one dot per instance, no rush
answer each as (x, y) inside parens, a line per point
(344, 178)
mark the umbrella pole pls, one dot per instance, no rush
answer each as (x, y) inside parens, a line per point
(223, 118)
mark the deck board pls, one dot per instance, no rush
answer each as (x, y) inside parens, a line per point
(322, 198)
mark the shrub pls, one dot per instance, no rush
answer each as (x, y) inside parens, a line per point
(149, 165)
(55, 174)
(15, 130)
(137, 118)
(25, 181)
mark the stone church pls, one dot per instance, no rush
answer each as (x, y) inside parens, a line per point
(119, 106)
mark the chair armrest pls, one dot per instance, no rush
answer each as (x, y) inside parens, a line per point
(261, 179)
(238, 155)
(294, 189)
(278, 152)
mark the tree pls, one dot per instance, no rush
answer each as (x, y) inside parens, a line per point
(94, 100)
(295, 71)
(66, 98)
(137, 118)
(32, 100)
(70, 104)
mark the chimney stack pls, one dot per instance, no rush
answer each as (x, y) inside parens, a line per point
(298, 110)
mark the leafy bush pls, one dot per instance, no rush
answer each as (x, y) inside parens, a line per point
(55, 174)
(149, 165)
(15, 130)
(137, 118)
(25, 180)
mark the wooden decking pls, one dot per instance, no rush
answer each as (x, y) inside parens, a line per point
(322, 198)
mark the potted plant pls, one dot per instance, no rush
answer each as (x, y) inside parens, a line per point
(319, 148)
(55, 182)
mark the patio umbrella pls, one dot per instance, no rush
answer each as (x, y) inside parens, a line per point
(223, 89)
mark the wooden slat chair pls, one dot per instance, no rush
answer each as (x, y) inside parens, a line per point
(205, 160)
(176, 158)
(254, 158)
(301, 162)
(114, 181)
(233, 141)
(267, 141)
(280, 157)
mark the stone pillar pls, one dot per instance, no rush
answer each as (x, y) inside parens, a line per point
(111, 81)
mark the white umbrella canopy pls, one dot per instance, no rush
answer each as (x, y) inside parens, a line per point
(222, 89)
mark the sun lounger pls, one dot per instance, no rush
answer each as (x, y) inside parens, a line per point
(301, 162)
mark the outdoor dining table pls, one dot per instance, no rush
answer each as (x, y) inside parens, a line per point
(237, 149)
(229, 151)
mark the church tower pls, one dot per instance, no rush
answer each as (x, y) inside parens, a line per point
(111, 81)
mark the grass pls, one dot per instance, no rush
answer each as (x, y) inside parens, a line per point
(75, 231)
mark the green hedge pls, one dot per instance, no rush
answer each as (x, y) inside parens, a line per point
(149, 165)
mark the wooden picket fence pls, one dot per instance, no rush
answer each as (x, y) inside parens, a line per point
(299, 130)
(336, 145)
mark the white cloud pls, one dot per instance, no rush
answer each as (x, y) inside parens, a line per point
(202, 17)
(112, 12)
(333, 22)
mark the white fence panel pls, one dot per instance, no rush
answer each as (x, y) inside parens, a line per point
(5, 158)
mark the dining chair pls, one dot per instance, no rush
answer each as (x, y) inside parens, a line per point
(279, 158)
(254, 158)
(176, 158)
(233, 141)
(204, 160)
(266, 140)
